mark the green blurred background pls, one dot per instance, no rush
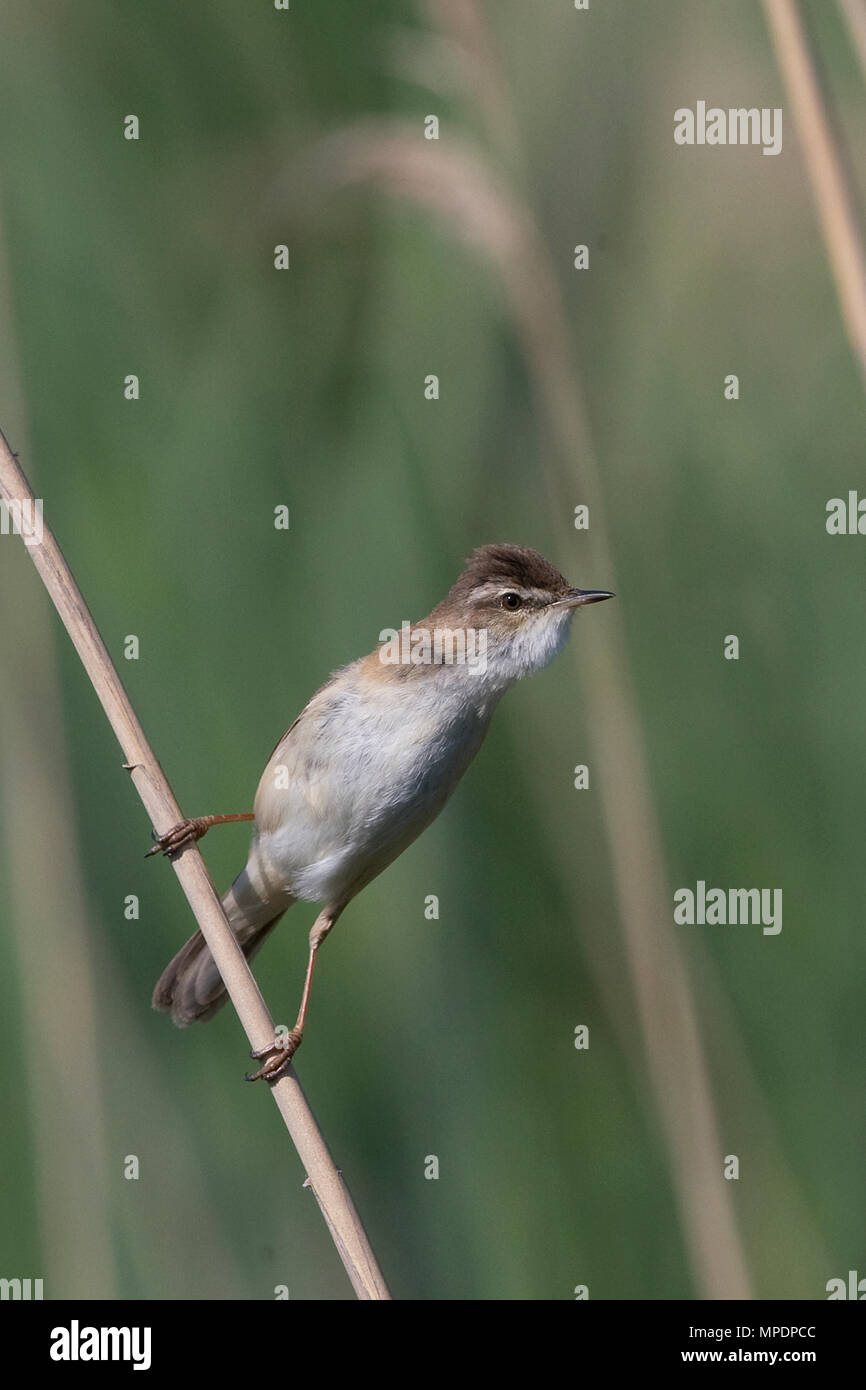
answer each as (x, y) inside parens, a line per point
(454, 1037)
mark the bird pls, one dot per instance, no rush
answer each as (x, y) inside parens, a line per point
(369, 762)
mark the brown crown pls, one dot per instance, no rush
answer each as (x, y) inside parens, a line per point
(507, 564)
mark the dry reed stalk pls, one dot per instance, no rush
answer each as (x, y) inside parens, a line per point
(828, 175)
(854, 12)
(326, 1182)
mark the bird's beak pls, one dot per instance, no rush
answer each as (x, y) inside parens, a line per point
(577, 597)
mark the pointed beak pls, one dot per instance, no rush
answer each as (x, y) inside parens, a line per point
(578, 597)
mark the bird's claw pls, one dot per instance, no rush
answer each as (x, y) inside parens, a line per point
(186, 832)
(278, 1059)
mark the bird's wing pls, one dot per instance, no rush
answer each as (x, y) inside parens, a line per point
(296, 721)
(297, 775)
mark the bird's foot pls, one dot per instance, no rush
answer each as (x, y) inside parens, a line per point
(187, 832)
(277, 1059)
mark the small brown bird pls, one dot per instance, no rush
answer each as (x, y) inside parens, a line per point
(371, 761)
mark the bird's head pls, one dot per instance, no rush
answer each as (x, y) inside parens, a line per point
(521, 601)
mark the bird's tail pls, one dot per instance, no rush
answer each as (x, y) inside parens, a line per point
(190, 987)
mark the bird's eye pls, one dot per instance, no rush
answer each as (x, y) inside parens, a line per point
(511, 601)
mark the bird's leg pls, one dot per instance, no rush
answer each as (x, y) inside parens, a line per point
(188, 831)
(277, 1057)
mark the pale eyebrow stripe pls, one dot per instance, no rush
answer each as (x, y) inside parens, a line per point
(496, 590)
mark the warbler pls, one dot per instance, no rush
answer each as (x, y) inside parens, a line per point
(370, 761)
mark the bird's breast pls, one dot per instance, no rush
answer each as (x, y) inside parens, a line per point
(367, 765)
